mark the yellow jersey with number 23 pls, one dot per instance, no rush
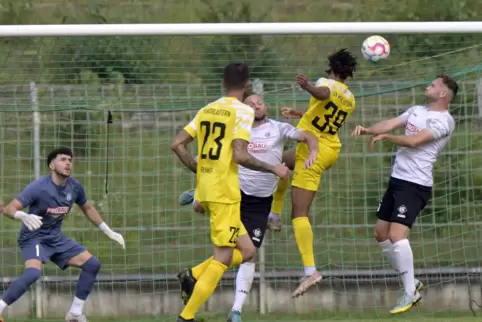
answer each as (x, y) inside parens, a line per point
(216, 126)
(325, 117)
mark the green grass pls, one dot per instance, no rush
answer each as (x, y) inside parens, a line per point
(416, 315)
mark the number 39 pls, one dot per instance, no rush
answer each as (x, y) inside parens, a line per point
(333, 121)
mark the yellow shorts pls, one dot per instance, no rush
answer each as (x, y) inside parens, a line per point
(309, 179)
(225, 222)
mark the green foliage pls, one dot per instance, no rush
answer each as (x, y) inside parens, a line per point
(221, 50)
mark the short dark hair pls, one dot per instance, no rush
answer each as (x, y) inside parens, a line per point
(236, 75)
(342, 64)
(61, 150)
(450, 83)
(248, 94)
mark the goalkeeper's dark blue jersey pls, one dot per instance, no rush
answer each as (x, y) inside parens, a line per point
(44, 198)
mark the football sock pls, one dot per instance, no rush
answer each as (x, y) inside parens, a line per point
(304, 240)
(20, 285)
(198, 270)
(86, 281)
(279, 196)
(387, 251)
(205, 286)
(404, 260)
(244, 280)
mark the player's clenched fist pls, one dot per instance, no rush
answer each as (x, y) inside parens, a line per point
(281, 171)
(32, 222)
(359, 130)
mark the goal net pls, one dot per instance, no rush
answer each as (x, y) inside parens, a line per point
(117, 101)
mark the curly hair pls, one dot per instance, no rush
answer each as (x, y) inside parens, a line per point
(342, 64)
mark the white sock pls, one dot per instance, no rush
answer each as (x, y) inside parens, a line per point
(3, 305)
(387, 251)
(404, 259)
(77, 306)
(244, 279)
(309, 270)
(274, 217)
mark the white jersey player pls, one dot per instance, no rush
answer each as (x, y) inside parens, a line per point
(427, 131)
(257, 188)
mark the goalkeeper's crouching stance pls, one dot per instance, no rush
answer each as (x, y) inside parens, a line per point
(49, 200)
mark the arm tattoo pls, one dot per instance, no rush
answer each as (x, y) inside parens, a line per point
(240, 150)
(186, 158)
(180, 148)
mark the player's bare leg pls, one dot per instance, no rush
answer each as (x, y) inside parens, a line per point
(279, 196)
(31, 274)
(301, 203)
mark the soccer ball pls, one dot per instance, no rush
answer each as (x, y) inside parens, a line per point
(375, 48)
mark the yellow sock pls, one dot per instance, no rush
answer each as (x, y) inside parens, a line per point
(304, 240)
(205, 286)
(198, 270)
(279, 196)
(237, 258)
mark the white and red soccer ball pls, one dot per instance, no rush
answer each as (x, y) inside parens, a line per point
(375, 48)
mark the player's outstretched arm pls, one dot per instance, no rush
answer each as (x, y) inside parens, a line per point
(380, 127)
(93, 215)
(243, 157)
(410, 141)
(179, 146)
(14, 211)
(319, 92)
(291, 113)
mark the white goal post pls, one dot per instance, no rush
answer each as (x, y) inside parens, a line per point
(285, 28)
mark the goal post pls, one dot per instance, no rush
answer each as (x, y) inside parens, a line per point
(60, 83)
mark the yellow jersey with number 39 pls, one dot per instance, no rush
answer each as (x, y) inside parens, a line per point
(216, 126)
(325, 117)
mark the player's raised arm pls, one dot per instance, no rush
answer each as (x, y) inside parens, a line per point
(93, 215)
(436, 129)
(321, 90)
(384, 126)
(180, 142)
(14, 209)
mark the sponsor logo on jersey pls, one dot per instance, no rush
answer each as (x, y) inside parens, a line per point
(57, 211)
(412, 128)
(257, 147)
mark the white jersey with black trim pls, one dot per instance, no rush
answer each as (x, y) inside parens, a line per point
(416, 164)
(266, 144)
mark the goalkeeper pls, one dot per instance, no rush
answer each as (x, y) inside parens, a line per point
(50, 199)
(266, 144)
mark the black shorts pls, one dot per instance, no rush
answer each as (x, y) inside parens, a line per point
(254, 216)
(403, 201)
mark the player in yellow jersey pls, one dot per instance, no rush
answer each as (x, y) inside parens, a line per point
(223, 131)
(330, 106)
